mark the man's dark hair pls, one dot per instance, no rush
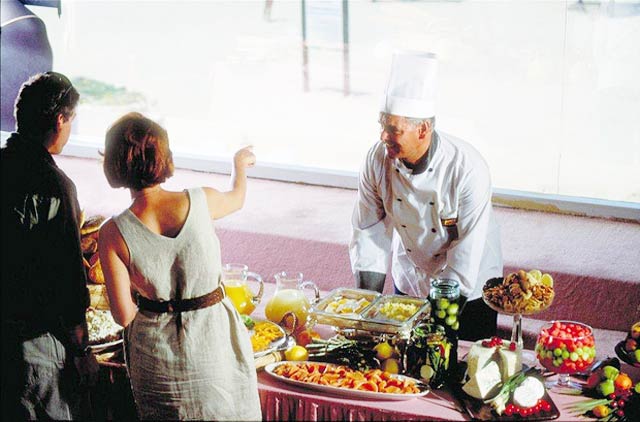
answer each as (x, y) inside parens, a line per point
(39, 102)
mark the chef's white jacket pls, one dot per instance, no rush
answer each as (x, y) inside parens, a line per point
(436, 224)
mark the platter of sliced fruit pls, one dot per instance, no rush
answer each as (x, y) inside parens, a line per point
(347, 382)
(265, 336)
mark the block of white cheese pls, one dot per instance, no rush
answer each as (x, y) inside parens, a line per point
(480, 357)
(510, 362)
(485, 383)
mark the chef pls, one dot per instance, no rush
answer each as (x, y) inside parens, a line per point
(424, 202)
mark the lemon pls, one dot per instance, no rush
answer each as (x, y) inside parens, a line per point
(547, 280)
(296, 353)
(391, 366)
(426, 372)
(537, 274)
(383, 351)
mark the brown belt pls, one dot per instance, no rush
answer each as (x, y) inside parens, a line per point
(183, 305)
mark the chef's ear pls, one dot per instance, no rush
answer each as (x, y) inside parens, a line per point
(425, 128)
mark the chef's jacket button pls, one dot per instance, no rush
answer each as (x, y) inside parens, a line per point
(397, 170)
(431, 203)
(408, 250)
(433, 230)
(430, 169)
(399, 199)
(403, 226)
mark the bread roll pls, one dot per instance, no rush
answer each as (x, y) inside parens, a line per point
(95, 273)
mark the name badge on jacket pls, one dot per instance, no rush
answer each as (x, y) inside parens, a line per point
(451, 225)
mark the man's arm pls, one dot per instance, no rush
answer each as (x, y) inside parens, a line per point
(370, 246)
(74, 294)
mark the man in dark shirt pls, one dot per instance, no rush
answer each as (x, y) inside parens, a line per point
(44, 294)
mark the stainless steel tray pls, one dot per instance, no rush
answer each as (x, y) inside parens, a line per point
(377, 320)
(370, 318)
(322, 313)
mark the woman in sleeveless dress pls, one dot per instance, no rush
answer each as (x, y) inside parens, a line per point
(188, 353)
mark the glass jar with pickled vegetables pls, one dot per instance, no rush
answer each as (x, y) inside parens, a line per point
(446, 305)
(428, 354)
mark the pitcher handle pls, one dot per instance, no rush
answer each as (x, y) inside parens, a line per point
(257, 277)
(311, 284)
(289, 323)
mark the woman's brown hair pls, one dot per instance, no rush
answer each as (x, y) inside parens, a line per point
(137, 153)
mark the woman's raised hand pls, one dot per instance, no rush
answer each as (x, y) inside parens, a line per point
(244, 158)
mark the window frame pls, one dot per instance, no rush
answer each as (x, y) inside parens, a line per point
(562, 204)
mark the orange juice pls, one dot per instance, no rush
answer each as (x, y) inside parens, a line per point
(286, 300)
(240, 295)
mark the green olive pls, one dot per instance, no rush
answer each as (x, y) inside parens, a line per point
(451, 319)
(443, 303)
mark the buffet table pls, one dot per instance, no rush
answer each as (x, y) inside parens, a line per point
(281, 402)
(285, 402)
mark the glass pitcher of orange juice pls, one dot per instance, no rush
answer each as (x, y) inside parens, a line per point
(234, 279)
(290, 297)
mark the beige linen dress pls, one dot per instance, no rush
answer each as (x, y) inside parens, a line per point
(190, 365)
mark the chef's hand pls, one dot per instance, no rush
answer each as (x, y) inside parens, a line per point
(244, 158)
(370, 280)
(87, 367)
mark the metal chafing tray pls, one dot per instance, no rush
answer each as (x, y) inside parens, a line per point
(323, 315)
(370, 318)
(378, 321)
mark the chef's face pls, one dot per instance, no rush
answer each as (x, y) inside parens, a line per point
(402, 138)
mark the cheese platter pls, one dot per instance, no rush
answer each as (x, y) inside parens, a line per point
(479, 410)
(497, 386)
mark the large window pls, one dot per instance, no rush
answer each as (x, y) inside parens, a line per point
(548, 91)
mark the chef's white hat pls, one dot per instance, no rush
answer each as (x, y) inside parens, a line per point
(411, 90)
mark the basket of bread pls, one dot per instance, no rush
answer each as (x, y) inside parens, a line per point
(89, 230)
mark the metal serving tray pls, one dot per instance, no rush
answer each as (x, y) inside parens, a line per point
(323, 315)
(378, 321)
(370, 318)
